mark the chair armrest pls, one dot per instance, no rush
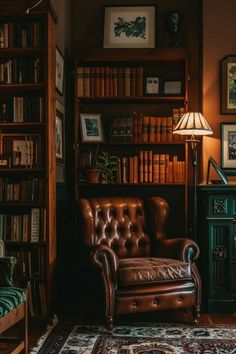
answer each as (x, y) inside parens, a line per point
(104, 258)
(183, 249)
(6, 270)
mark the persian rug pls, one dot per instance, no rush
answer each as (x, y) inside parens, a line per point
(138, 339)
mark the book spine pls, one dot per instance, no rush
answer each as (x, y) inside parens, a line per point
(127, 75)
(158, 130)
(80, 81)
(131, 169)
(141, 166)
(86, 81)
(120, 82)
(107, 81)
(169, 129)
(124, 169)
(150, 171)
(92, 88)
(135, 161)
(35, 223)
(101, 81)
(96, 81)
(162, 168)
(152, 129)
(145, 166)
(139, 81)
(163, 129)
(145, 128)
(155, 168)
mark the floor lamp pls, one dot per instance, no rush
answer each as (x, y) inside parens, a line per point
(193, 124)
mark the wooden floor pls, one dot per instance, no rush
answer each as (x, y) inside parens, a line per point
(37, 327)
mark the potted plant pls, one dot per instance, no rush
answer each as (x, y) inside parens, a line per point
(107, 164)
(92, 171)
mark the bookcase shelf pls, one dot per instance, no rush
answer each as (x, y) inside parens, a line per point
(27, 151)
(136, 123)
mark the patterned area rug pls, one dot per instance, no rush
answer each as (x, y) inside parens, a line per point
(139, 339)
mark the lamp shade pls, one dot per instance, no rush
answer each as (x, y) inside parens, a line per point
(192, 123)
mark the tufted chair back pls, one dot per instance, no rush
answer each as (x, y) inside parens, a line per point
(120, 224)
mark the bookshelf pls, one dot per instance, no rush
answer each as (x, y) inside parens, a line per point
(27, 151)
(137, 119)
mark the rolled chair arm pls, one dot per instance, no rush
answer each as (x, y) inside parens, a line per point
(183, 249)
(105, 259)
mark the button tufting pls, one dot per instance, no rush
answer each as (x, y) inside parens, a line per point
(134, 304)
(180, 298)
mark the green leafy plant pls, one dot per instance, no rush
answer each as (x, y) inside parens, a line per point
(108, 166)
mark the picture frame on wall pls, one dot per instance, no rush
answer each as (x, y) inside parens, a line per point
(129, 26)
(228, 85)
(228, 146)
(59, 72)
(91, 127)
(60, 133)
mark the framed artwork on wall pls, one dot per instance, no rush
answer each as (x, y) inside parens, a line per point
(228, 146)
(129, 27)
(91, 127)
(228, 85)
(59, 72)
(60, 133)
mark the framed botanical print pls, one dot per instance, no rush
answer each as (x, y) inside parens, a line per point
(129, 27)
(228, 85)
(228, 146)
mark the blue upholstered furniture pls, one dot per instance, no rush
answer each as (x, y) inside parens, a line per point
(13, 308)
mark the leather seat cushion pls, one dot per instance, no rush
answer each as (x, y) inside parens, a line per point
(148, 270)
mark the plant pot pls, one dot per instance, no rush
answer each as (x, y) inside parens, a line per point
(92, 175)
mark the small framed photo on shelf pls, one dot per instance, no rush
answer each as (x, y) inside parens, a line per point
(172, 87)
(23, 150)
(228, 85)
(60, 135)
(129, 27)
(91, 127)
(59, 72)
(152, 86)
(5, 161)
(228, 146)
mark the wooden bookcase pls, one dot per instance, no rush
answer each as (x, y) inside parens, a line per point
(137, 125)
(27, 147)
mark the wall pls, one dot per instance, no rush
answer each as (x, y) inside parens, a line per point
(219, 27)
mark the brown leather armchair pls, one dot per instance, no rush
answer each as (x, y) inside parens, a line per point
(142, 271)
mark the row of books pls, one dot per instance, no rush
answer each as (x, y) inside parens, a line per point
(30, 262)
(21, 71)
(22, 109)
(109, 81)
(28, 190)
(149, 167)
(21, 34)
(27, 227)
(141, 128)
(23, 150)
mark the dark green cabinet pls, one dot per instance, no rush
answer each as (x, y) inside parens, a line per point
(217, 242)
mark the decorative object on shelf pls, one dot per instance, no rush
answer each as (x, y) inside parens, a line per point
(5, 161)
(152, 85)
(228, 85)
(27, 11)
(228, 146)
(223, 177)
(91, 127)
(60, 135)
(174, 23)
(59, 72)
(172, 87)
(193, 123)
(129, 27)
